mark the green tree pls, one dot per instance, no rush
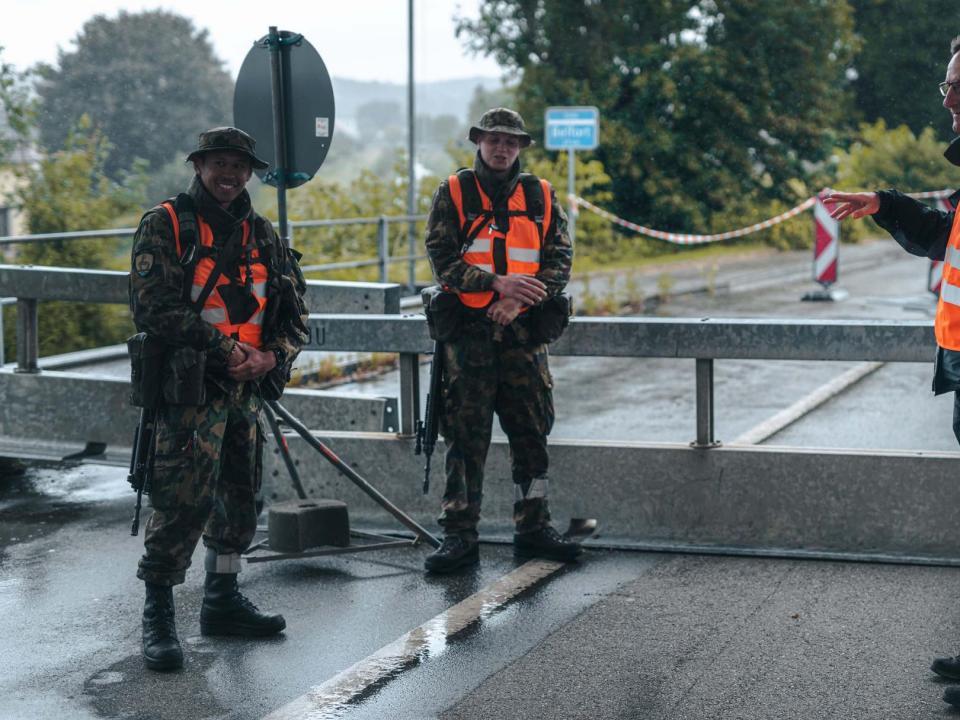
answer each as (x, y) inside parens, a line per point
(14, 129)
(708, 111)
(903, 56)
(149, 81)
(69, 191)
(14, 109)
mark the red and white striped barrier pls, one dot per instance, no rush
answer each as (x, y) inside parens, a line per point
(826, 246)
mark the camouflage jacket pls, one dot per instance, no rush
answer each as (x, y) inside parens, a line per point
(157, 280)
(443, 240)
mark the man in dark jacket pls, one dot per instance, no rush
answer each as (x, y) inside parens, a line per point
(498, 239)
(211, 281)
(922, 230)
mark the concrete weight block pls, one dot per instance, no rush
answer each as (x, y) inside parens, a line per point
(298, 525)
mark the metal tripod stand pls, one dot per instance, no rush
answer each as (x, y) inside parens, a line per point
(272, 409)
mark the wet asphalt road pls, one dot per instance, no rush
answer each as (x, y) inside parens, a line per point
(70, 609)
(619, 635)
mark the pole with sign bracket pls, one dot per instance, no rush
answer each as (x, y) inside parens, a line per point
(571, 128)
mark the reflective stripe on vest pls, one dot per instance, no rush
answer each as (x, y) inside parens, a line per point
(947, 324)
(522, 239)
(214, 309)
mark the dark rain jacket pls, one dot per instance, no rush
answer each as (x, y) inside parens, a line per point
(924, 231)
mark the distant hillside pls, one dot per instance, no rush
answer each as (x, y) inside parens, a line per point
(447, 97)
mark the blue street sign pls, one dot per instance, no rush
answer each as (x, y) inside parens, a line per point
(571, 128)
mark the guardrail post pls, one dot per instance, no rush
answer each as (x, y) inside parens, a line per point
(409, 393)
(28, 343)
(3, 359)
(705, 428)
(383, 242)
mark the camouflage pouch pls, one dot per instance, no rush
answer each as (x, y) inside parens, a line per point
(549, 319)
(147, 356)
(184, 381)
(444, 313)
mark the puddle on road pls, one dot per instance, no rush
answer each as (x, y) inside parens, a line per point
(46, 497)
(78, 483)
(127, 689)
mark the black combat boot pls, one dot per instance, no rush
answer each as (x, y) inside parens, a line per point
(455, 552)
(952, 695)
(226, 612)
(161, 648)
(947, 667)
(545, 543)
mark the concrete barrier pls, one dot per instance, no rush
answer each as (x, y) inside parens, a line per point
(670, 495)
(53, 414)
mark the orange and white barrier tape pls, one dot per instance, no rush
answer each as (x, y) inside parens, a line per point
(685, 239)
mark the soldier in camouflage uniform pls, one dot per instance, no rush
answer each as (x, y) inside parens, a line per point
(207, 468)
(492, 366)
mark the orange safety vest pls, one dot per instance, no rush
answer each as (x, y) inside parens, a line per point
(214, 309)
(523, 241)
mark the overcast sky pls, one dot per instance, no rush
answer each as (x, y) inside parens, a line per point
(358, 39)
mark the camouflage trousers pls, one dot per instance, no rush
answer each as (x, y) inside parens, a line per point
(484, 375)
(206, 474)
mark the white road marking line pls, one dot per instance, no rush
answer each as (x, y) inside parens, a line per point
(775, 423)
(430, 639)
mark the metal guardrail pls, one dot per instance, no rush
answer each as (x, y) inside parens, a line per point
(703, 339)
(383, 259)
(356, 328)
(30, 285)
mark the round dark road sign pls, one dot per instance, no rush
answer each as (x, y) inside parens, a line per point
(309, 107)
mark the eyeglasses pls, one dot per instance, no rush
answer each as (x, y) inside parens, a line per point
(945, 87)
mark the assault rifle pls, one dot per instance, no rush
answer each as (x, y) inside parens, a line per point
(429, 428)
(141, 461)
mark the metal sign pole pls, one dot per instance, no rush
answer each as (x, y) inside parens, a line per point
(572, 191)
(411, 153)
(279, 131)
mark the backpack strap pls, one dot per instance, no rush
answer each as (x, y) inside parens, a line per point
(186, 235)
(183, 218)
(189, 232)
(472, 208)
(534, 200)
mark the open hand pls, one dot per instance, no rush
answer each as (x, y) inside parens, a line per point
(855, 205)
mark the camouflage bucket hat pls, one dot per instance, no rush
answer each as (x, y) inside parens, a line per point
(228, 138)
(501, 120)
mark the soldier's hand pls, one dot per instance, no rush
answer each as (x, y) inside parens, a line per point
(855, 205)
(236, 356)
(525, 288)
(504, 311)
(256, 364)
